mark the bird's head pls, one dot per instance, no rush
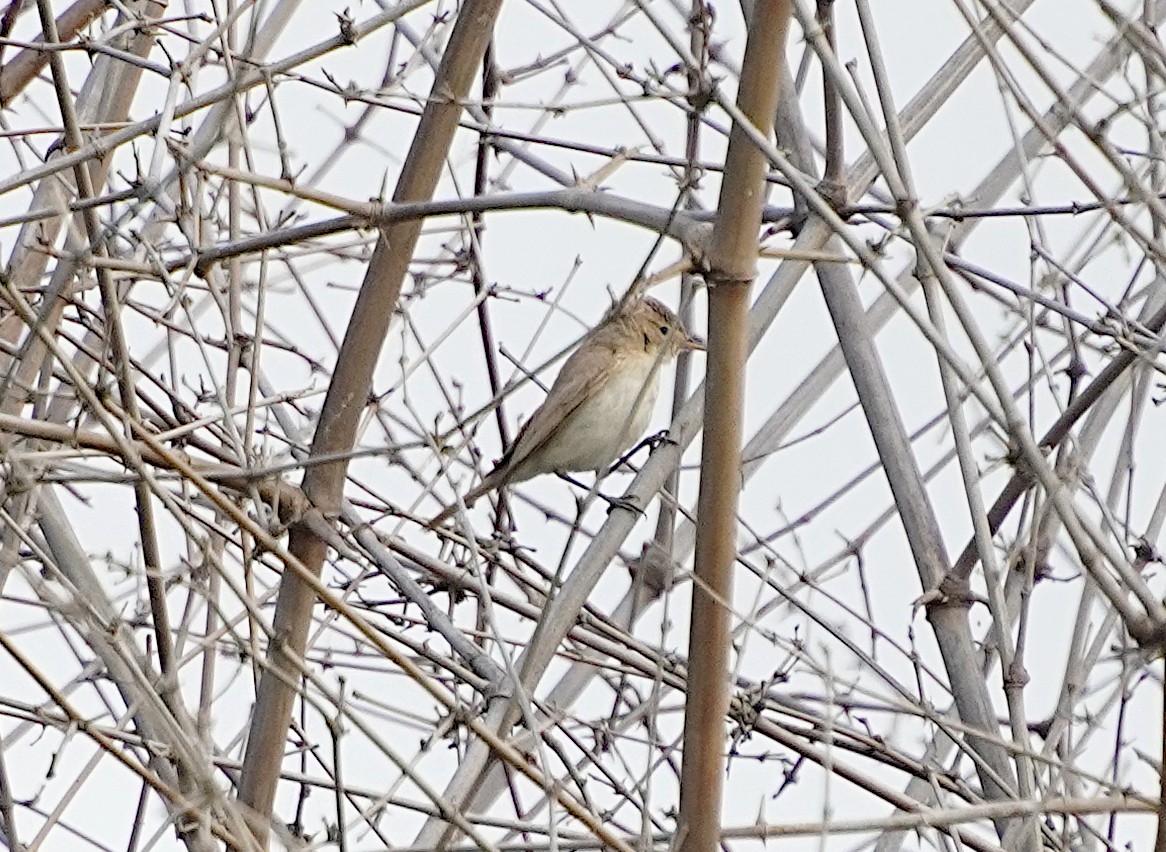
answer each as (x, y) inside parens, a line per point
(651, 324)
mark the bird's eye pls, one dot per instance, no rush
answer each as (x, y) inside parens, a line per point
(664, 329)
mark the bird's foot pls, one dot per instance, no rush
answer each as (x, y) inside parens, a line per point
(628, 504)
(654, 442)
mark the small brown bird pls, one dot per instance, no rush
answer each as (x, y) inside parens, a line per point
(600, 402)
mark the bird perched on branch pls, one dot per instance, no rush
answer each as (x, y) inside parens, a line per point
(600, 402)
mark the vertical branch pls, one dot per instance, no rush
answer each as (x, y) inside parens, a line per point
(477, 270)
(700, 24)
(7, 811)
(116, 340)
(832, 101)
(732, 267)
(481, 184)
(1160, 838)
(336, 430)
(1155, 144)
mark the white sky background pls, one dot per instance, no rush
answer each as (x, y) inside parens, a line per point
(535, 252)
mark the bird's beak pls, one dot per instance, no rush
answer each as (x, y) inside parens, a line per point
(691, 341)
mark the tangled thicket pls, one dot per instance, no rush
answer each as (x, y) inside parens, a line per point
(946, 611)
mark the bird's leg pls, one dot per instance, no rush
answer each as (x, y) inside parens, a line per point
(566, 477)
(612, 502)
(651, 442)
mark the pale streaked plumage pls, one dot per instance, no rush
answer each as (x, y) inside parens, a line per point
(600, 402)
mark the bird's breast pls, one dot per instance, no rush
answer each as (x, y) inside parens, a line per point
(610, 420)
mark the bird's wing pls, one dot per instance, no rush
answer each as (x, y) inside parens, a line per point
(582, 373)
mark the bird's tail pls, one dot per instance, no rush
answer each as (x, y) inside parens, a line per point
(492, 481)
